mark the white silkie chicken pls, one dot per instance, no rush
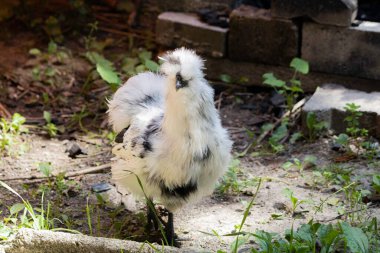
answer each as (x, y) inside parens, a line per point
(169, 134)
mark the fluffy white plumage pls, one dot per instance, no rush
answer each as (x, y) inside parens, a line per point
(175, 142)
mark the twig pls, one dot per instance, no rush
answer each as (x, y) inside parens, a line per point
(70, 174)
(4, 111)
(124, 33)
(293, 113)
(219, 101)
(295, 110)
(344, 214)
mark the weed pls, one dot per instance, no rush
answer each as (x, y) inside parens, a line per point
(308, 161)
(9, 133)
(291, 90)
(352, 119)
(36, 218)
(277, 136)
(356, 140)
(50, 127)
(376, 183)
(232, 182)
(314, 126)
(104, 68)
(294, 200)
(139, 61)
(45, 70)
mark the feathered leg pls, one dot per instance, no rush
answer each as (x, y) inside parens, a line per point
(151, 216)
(169, 230)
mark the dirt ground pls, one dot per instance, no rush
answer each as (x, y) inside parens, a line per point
(243, 112)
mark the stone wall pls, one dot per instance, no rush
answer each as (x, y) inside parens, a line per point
(323, 32)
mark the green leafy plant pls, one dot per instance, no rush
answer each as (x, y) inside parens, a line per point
(292, 88)
(9, 132)
(294, 200)
(24, 215)
(104, 68)
(330, 239)
(233, 181)
(50, 127)
(277, 136)
(139, 61)
(355, 140)
(308, 161)
(376, 183)
(352, 119)
(314, 126)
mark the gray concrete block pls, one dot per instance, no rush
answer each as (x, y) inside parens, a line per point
(353, 51)
(183, 29)
(328, 103)
(256, 36)
(336, 12)
(193, 5)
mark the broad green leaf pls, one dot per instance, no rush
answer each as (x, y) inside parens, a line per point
(140, 68)
(271, 80)
(376, 182)
(47, 116)
(151, 65)
(16, 208)
(225, 78)
(145, 55)
(52, 47)
(280, 132)
(342, 139)
(287, 165)
(300, 65)
(96, 58)
(49, 71)
(304, 233)
(5, 231)
(327, 236)
(287, 192)
(34, 51)
(356, 240)
(107, 74)
(294, 89)
(45, 168)
(310, 160)
(295, 137)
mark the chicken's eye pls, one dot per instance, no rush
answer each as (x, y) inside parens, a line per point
(181, 82)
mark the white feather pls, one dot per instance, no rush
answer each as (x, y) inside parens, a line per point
(188, 147)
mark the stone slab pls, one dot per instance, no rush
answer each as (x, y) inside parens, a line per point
(336, 12)
(353, 51)
(253, 72)
(176, 29)
(193, 5)
(328, 103)
(44, 241)
(256, 36)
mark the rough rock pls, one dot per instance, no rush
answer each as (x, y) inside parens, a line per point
(328, 103)
(184, 29)
(255, 36)
(350, 51)
(44, 241)
(193, 5)
(336, 12)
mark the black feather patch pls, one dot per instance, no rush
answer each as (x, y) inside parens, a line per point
(182, 191)
(206, 154)
(153, 128)
(181, 83)
(120, 136)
